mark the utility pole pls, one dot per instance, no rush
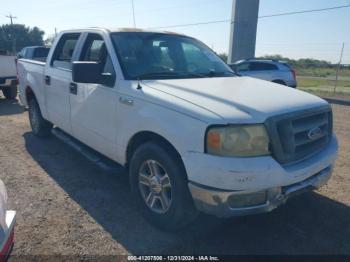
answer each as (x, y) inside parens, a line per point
(133, 12)
(244, 22)
(12, 33)
(338, 68)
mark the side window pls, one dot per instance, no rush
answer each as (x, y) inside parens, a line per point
(95, 50)
(23, 53)
(62, 57)
(92, 49)
(258, 66)
(243, 67)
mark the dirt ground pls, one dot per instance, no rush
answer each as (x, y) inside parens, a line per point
(66, 205)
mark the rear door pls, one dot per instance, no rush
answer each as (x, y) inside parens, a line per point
(93, 106)
(58, 76)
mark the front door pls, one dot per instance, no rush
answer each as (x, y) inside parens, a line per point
(93, 106)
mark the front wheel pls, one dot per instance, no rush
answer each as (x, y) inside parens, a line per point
(39, 125)
(158, 180)
(10, 92)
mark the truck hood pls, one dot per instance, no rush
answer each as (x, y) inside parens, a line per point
(237, 99)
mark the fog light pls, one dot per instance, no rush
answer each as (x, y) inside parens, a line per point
(247, 200)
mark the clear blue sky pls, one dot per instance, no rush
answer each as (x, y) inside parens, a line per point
(315, 35)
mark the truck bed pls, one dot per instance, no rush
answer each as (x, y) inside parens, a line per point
(31, 74)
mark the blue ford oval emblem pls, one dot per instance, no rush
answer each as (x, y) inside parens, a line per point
(315, 133)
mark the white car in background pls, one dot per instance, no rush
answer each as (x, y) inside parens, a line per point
(275, 71)
(7, 225)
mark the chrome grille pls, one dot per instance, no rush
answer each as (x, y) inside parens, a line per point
(296, 136)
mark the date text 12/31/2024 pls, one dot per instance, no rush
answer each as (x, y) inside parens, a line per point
(173, 258)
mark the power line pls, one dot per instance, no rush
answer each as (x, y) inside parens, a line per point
(193, 24)
(306, 11)
(260, 17)
(181, 6)
(11, 17)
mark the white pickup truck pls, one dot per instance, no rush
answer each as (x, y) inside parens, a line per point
(192, 135)
(8, 76)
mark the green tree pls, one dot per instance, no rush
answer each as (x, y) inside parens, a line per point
(301, 63)
(49, 40)
(24, 36)
(223, 56)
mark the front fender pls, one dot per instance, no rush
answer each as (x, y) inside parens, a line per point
(182, 131)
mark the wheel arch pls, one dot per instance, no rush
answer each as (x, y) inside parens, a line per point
(29, 94)
(143, 137)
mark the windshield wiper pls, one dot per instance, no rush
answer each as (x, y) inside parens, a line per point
(177, 74)
(153, 75)
(213, 73)
(184, 73)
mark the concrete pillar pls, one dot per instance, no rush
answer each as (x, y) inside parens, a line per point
(244, 23)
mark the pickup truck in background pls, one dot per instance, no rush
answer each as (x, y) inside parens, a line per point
(8, 76)
(192, 136)
(38, 53)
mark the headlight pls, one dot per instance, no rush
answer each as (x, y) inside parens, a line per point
(238, 141)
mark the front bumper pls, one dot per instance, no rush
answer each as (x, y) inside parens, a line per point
(224, 203)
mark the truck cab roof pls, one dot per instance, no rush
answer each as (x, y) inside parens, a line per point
(123, 29)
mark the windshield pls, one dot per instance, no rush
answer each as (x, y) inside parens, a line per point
(166, 56)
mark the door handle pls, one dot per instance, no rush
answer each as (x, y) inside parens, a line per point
(47, 80)
(73, 88)
(126, 101)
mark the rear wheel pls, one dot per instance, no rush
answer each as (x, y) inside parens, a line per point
(10, 92)
(39, 125)
(158, 181)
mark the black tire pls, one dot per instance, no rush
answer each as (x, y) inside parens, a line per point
(280, 82)
(181, 211)
(10, 92)
(39, 125)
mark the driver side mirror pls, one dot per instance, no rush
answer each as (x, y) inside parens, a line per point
(90, 72)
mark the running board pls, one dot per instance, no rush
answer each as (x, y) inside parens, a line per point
(98, 159)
